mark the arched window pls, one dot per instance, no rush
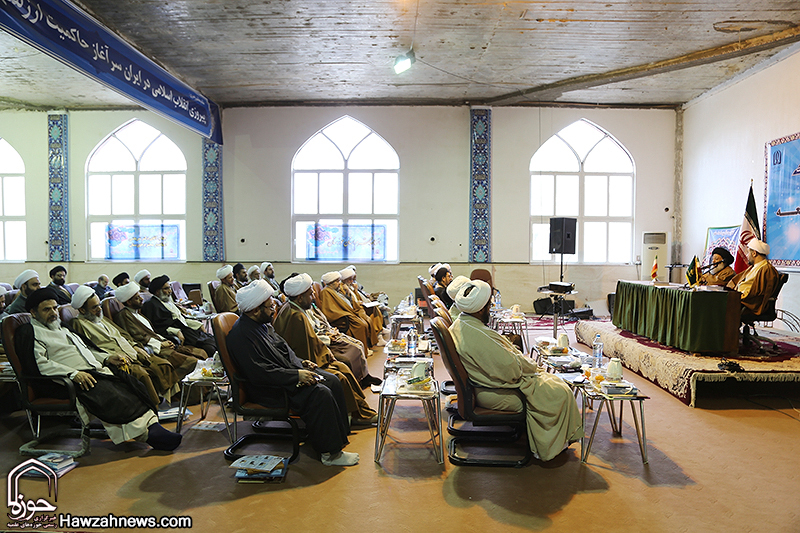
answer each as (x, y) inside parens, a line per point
(582, 172)
(136, 196)
(12, 204)
(345, 195)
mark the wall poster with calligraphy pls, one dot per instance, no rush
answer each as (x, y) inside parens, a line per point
(346, 242)
(782, 201)
(143, 242)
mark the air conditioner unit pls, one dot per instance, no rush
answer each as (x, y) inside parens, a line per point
(655, 244)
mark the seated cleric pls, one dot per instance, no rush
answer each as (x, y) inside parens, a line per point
(758, 282)
(116, 398)
(492, 362)
(267, 362)
(720, 272)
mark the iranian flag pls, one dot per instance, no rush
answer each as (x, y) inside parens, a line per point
(750, 230)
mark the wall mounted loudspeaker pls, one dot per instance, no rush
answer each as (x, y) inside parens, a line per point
(562, 235)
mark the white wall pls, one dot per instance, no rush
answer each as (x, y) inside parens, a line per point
(433, 144)
(724, 149)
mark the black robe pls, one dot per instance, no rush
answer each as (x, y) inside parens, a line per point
(161, 318)
(268, 365)
(115, 399)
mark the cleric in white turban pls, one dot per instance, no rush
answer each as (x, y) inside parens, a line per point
(252, 295)
(252, 271)
(473, 296)
(82, 293)
(759, 246)
(434, 269)
(452, 292)
(126, 292)
(347, 273)
(25, 277)
(297, 285)
(224, 271)
(141, 275)
(330, 277)
(757, 284)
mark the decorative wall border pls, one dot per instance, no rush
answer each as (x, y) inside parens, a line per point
(480, 201)
(213, 216)
(58, 194)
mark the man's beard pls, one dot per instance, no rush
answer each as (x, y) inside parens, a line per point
(271, 276)
(54, 324)
(96, 319)
(163, 297)
(59, 281)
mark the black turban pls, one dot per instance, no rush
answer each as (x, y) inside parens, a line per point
(726, 256)
(237, 268)
(156, 284)
(38, 296)
(119, 278)
(56, 270)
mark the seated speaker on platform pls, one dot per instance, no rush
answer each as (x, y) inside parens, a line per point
(562, 235)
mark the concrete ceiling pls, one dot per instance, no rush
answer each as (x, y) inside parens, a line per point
(286, 52)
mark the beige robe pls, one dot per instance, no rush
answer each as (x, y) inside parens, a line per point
(294, 326)
(375, 320)
(225, 300)
(343, 347)
(554, 420)
(335, 306)
(756, 284)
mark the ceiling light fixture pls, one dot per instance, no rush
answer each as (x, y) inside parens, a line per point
(403, 62)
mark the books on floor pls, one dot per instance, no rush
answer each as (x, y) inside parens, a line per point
(171, 414)
(59, 462)
(208, 425)
(260, 469)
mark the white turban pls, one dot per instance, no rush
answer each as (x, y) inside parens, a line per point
(352, 267)
(253, 294)
(447, 266)
(3, 291)
(126, 292)
(82, 293)
(759, 246)
(24, 278)
(297, 285)
(457, 283)
(140, 275)
(330, 277)
(264, 266)
(434, 269)
(252, 269)
(347, 273)
(224, 271)
(473, 295)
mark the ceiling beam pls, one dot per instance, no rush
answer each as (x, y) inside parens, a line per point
(552, 91)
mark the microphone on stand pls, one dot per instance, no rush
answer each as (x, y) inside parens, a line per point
(710, 266)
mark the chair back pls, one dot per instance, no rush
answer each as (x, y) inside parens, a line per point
(6, 286)
(146, 295)
(454, 366)
(177, 290)
(22, 369)
(111, 307)
(91, 284)
(11, 295)
(483, 275)
(222, 324)
(73, 287)
(427, 292)
(196, 296)
(316, 288)
(770, 313)
(66, 313)
(444, 314)
(212, 289)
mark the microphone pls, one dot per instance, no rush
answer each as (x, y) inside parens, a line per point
(709, 266)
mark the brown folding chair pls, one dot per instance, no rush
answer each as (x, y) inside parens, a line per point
(222, 324)
(483, 275)
(44, 396)
(212, 289)
(503, 426)
(11, 295)
(111, 307)
(67, 313)
(770, 314)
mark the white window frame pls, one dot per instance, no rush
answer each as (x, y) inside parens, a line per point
(12, 218)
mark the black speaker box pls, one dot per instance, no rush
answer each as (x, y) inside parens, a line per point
(562, 235)
(544, 306)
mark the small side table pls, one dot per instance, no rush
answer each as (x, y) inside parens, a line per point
(390, 393)
(606, 400)
(204, 384)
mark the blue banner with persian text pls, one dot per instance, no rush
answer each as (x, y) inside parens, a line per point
(60, 29)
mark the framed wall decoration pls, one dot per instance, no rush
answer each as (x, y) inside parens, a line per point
(782, 200)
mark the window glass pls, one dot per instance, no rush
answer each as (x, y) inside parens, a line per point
(112, 156)
(331, 193)
(540, 242)
(175, 194)
(608, 156)
(137, 136)
(99, 192)
(619, 242)
(346, 133)
(10, 160)
(554, 156)
(163, 154)
(149, 194)
(14, 196)
(543, 193)
(373, 153)
(359, 199)
(567, 196)
(596, 194)
(317, 154)
(581, 136)
(15, 240)
(620, 189)
(594, 242)
(305, 193)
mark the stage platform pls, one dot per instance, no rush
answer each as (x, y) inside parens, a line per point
(679, 372)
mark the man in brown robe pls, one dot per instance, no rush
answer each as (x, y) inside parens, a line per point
(758, 282)
(155, 373)
(225, 294)
(371, 311)
(336, 306)
(294, 326)
(129, 319)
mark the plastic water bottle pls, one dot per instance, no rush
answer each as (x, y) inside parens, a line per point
(412, 340)
(597, 352)
(496, 300)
